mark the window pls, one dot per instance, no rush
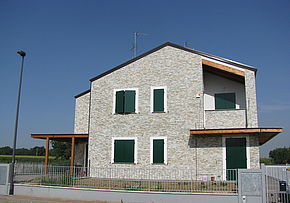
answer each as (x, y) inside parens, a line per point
(158, 149)
(158, 99)
(225, 101)
(125, 101)
(124, 150)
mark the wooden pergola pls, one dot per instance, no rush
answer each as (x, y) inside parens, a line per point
(265, 134)
(62, 138)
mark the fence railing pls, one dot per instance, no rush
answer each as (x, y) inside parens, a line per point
(139, 179)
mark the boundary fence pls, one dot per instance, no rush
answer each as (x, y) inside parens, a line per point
(137, 179)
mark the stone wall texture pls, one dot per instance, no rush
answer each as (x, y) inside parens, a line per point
(251, 99)
(225, 119)
(82, 114)
(181, 73)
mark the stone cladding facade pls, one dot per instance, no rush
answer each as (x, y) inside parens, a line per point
(182, 74)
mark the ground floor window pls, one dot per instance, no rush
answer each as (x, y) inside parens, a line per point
(158, 148)
(124, 150)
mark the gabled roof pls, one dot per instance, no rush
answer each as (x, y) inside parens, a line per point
(206, 55)
(220, 59)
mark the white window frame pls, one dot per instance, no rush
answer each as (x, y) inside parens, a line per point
(124, 138)
(152, 98)
(151, 148)
(225, 152)
(136, 98)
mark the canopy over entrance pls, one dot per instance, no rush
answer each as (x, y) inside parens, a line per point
(62, 138)
(265, 134)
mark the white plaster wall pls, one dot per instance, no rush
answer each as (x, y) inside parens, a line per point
(214, 84)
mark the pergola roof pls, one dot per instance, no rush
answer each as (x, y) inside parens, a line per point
(61, 137)
(265, 134)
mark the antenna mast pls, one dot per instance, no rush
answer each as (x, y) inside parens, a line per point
(134, 48)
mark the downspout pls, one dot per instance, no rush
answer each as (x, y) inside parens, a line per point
(195, 157)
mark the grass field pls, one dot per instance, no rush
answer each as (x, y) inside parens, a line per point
(32, 159)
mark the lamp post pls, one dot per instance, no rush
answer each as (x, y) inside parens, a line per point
(11, 191)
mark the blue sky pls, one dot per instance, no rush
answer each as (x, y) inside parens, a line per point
(69, 42)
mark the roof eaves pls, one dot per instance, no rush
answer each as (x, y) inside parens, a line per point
(83, 93)
(221, 59)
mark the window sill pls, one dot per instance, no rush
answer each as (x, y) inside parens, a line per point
(124, 113)
(161, 164)
(223, 109)
(159, 112)
(124, 163)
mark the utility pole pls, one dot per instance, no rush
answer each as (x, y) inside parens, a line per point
(11, 191)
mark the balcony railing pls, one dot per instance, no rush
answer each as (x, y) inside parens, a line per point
(228, 118)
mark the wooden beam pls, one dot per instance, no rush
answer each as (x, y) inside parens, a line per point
(44, 136)
(72, 156)
(223, 67)
(46, 155)
(236, 131)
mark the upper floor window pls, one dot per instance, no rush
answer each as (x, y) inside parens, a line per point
(125, 101)
(225, 101)
(158, 99)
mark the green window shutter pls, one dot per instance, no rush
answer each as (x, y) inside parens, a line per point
(124, 151)
(158, 100)
(158, 151)
(225, 101)
(119, 102)
(129, 106)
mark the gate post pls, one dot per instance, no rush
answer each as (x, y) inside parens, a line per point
(5, 178)
(264, 186)
(250, 186)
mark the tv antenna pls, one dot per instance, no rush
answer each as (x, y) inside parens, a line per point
(186, 44)
(134, 48)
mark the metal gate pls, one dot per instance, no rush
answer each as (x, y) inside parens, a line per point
(4, 179)
(277, 179)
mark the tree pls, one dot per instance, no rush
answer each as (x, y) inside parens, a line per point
(6, 150)
(61, 150)
(37, 151)
(22, 151)
(280, 155)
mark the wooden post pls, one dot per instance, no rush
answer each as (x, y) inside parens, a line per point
(72, 156)
(46, 155)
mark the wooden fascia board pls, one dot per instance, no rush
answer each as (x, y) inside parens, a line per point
(44, 136)
(236, 131)
(223, 67)
(265, 134)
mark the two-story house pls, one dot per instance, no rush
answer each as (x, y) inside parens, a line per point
(171, 107)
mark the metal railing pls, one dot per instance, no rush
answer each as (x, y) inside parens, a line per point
(138, 179)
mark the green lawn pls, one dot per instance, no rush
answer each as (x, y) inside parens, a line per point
(32, 159)
(27, 156)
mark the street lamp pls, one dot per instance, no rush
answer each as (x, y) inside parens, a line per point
(11, 191)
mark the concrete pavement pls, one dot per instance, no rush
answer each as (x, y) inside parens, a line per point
(27, 199)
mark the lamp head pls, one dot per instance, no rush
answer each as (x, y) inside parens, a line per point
(21, 53)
